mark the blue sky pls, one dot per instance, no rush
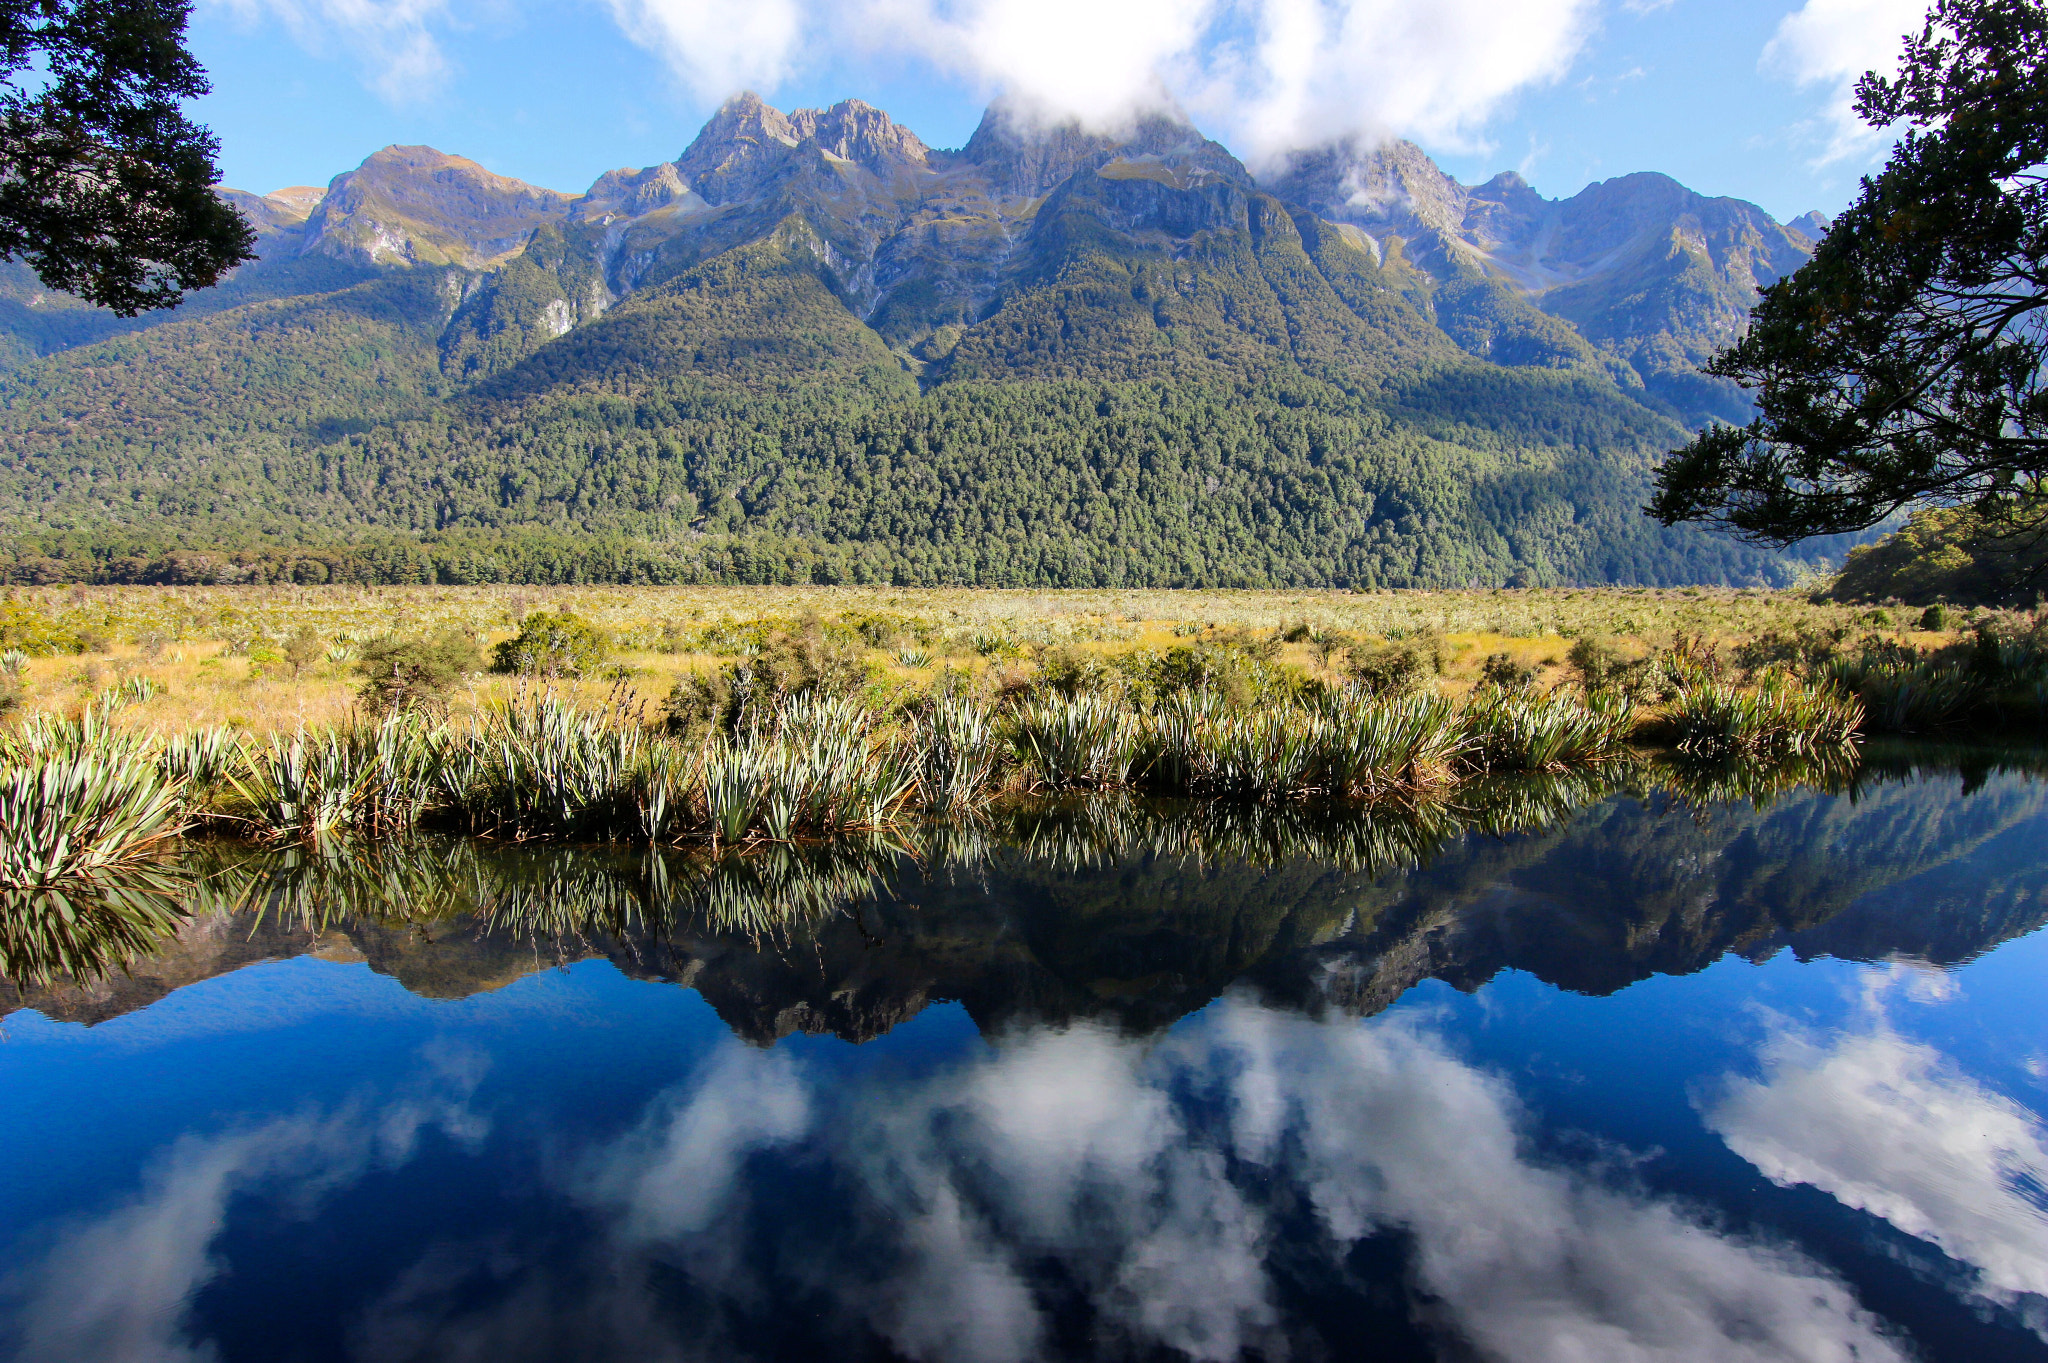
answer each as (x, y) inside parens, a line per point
(1739, 97)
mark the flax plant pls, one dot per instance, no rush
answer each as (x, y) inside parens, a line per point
(1778, 718)
(67, 817)
(1075, 743)
(1522, 731)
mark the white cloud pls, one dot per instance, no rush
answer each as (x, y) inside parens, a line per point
(1887, 1125)
(1316, 71)
(1831, 43)
(670, 1178)
(1160, 1176)
(718, 47)
(1152, 1180)
(1525, 1260)
(1096, 60)
(392, 40)
(113, 1289)
(1271, 75)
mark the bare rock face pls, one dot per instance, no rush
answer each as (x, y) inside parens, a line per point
(1813, 225)
(418, 206)
(1394, 188)
(631, 193)
(1655, 277)
(285, 210)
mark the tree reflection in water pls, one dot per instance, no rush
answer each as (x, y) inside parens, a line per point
(1140, 909)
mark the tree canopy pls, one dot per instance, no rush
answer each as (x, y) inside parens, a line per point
(1902, 365)
(105, 185)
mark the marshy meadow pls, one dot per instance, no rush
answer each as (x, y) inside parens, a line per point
(137, 717)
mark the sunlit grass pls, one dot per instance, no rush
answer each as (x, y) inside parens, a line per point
(216, 651)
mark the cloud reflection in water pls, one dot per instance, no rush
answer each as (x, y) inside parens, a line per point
(1153, 1190)
(1156, 1176)
(1888, 1125)
(114, 1289)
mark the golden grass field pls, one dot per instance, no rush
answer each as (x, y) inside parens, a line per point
(197, 642)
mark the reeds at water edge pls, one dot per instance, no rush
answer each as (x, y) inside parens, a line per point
(79, 795)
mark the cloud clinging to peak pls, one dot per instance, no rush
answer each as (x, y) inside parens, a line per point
(716, 47)
(1270, 75)
(1315, 71)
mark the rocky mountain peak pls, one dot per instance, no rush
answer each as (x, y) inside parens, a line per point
(736, 148)
(630, 193)
(1813, 224)
(416, 205)
(282, 210)
(1024, 157)
(854, 130)
(1392, 187)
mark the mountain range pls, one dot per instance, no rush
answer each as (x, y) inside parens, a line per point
(812, 347)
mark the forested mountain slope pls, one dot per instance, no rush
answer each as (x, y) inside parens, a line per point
(813, 347)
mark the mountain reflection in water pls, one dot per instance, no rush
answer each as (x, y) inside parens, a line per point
(1132, 1084)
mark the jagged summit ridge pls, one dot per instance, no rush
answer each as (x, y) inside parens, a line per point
(1637, 276)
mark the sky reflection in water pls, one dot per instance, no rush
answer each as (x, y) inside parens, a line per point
(450, 1151)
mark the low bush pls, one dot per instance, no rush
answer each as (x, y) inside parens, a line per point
(1501, 670)
(804, 661)
(27, 630)
(554, 646)
(1396, 666)
(404, 674)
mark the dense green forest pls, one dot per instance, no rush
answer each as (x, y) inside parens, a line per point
(1949, 554)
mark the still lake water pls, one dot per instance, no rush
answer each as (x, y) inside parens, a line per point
(1657, 1080)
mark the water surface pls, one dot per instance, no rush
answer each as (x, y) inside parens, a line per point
(1649, 1078)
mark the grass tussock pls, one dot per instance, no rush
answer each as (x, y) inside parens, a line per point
(542, 765)
(79, 800)
(1776, 719)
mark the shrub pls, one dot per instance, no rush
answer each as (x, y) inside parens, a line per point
(1935, 619)
(27, 630)
(559, 645)
(303, 649)
(1501, 670)
(803, 661)
(1805, 649)
(1069, 671)
(1394, 667)
(1592, 660)
(408, 674)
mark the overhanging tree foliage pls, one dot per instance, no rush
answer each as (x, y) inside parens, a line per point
(1903, 363)
(105, 185)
